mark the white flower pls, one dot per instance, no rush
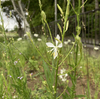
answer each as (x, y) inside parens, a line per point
(63, 76)
(62, 71)
(39, 39)
(64, 79)
(80, 66)
(25, 34)
(73, 43)
(19, 39)
(65, 42)
(71, 52)
(15, 96)
(96, 48)
(55, 48)
(69, 40)
(26, 13)
(36, 35)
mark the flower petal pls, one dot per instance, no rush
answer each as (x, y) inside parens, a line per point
(50, 44)
(60, 45)
(58, 37)
(55, 54)
(51, 50)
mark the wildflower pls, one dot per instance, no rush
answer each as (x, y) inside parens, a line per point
(25, 35)
(15, 62)
(36, 35)
(71, 52)
(19, 39)
(65, 42)
(15, 96)
(80, 66)
(63, 77)
(20, 53)
(73, 43)
(31, 74)
(39, 39)
(26, 13)
(10, 76)
(69, 40)
(55, 48)
(20, 78)
(96, 48)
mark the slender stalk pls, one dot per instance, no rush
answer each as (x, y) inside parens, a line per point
(65, 19)
(49, 31)
(56, 78)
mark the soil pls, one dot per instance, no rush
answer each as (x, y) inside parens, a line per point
(81, 85)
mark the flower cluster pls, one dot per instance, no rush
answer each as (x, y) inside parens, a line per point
(63, 76)
(66, 42)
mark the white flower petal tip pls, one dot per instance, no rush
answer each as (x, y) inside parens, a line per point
(96, 48)
(55, 48)
(49, 44)
(60, 45)
(19, 39)
(58, 37)
(36, 35)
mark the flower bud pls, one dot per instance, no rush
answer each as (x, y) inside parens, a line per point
(43, 15)
(78, 29)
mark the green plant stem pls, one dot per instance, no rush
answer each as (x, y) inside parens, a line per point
(65, 19)
(56, 83)
(76, 58)
(49, 31)
(39, 51)
(66, 56)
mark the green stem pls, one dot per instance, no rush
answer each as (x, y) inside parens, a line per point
(39, 51)
(65, 20)
(56, 79)
(78, 15)
(66, 56)
(49, 31)
(76, 58)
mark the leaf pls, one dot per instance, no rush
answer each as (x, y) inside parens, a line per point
(71, 65)
(59, 28)
(49, 75)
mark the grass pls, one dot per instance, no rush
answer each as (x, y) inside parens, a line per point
(24, 61)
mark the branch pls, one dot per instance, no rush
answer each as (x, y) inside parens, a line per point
(16, 8)
(28, 4)
(32, 14)
(19, 3)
